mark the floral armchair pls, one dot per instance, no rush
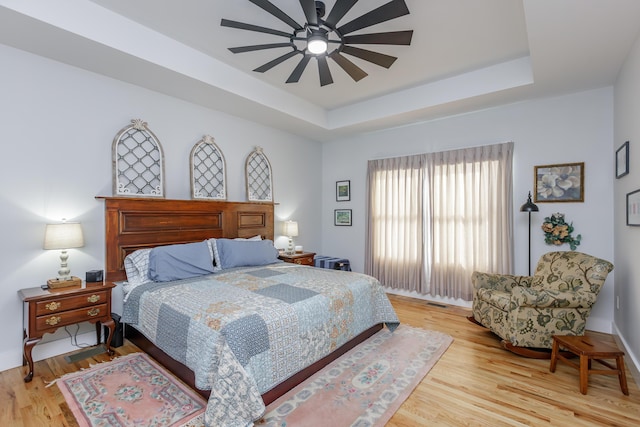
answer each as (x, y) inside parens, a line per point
(526, 311)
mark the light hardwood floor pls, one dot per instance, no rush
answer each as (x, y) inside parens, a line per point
(475, 383)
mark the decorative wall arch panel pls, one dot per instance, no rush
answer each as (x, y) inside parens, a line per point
(138, 162)
(208, 171)
(259, 177)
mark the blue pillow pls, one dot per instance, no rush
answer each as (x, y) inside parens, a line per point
(175, 262)
(245, 253)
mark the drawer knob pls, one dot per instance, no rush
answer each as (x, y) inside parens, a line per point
(53, 320)
(93, 312)
(93, 298)
(53, 306)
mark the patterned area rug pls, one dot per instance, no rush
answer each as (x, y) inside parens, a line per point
(130, 391)
(365, 386)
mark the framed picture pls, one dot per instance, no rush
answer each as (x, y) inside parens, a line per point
(342, 217)
(343, 191)
(559, 183)
(633, 208)
(622, 160)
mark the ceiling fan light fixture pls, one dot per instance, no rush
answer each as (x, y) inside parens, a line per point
(317, 44)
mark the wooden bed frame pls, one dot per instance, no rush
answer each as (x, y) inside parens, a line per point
(138, 223)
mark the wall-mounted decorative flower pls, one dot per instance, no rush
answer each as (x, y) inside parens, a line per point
(557, 231)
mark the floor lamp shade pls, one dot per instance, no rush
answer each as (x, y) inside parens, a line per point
(63, 236)
(529, 207)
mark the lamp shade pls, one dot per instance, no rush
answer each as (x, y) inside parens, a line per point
(529, 206)
(291, 228)
(63, 236)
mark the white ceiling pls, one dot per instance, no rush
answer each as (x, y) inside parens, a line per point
(465, 55)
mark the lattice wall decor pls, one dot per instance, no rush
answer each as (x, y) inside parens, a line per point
(208, 171)
(138, 163)
(258, 176)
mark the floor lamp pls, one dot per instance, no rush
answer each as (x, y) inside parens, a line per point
(529, 207)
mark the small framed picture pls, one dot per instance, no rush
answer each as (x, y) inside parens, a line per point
(343, 191)
(633, 208)
(342, 217)
(559, 183)
(622, 160)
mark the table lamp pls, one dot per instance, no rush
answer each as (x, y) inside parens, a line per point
(290, 230)
(63, 236)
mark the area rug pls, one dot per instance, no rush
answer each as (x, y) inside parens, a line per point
(365, 386)
(132, 390)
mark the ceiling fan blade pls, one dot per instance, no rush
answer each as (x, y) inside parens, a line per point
(297, 72)
(375, 57)
(352, 69)
(250, 27)
(339, 10)
(251, 48)
(269, 65)
(309, 7)
(275, 11)
(393, 9)
(393, 37)
(325, 73)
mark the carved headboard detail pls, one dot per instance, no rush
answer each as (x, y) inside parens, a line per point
(137, 223)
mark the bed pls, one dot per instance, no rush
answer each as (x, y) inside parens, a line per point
(307, 316)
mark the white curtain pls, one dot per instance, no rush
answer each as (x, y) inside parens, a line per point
(395, 222)
(435, 218)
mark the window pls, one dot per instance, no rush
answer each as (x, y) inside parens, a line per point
(435, 218)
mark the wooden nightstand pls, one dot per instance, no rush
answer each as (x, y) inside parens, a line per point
(46, 310)
(304, 258)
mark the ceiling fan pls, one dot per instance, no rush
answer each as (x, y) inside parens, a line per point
(317, 37)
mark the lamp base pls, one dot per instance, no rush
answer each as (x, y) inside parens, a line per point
(57, 283)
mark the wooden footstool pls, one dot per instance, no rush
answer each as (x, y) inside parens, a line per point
(590, 347)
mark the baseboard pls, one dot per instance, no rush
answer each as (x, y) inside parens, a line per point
(412, 294)
(631, 360)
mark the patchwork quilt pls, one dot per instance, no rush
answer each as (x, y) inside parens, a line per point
(245, 330)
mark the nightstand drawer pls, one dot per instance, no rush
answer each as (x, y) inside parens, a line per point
(55, 320)
(304, 258)
(308, 260)
(65, 303)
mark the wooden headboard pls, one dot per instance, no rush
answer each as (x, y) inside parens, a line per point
(137, 223)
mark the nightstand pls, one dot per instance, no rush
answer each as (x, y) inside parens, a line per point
(304, 258)
(46, 310)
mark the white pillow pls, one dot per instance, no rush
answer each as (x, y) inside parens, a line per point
(136, 265)
(258, 237)
(213, 250)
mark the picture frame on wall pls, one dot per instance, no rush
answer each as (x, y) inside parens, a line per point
(559, 183)
(622, 160)
(342, 217)
(343, 191)
(633, 208)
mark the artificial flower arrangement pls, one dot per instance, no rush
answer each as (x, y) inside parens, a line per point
(557, 231)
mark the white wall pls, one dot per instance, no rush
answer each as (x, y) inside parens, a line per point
(627, 128)
(58, 124)
(566, 129)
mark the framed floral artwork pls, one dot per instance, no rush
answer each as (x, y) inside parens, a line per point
(559, 183)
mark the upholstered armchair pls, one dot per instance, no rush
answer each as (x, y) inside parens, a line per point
(526, 311)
